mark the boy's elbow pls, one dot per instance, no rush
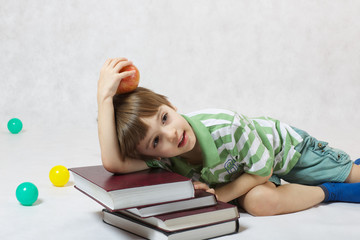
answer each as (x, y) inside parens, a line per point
(113, 167)
(110, 168)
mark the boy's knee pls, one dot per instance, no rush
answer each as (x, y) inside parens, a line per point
(262, 201)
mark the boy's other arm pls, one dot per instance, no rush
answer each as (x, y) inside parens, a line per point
(232, 190)
(240, 186)
(109, 145)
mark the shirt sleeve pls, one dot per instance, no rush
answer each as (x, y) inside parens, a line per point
(162, 163)
(152, 163)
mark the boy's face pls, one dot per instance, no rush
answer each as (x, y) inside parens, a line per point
(169, 135)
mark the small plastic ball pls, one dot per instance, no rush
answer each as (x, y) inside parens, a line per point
(27, 193)
(59, 176)
(14, 125)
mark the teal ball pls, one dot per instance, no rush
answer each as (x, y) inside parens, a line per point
(14, 125)
(27, 193)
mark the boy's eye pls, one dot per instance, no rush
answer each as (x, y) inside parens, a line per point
(156, 141)
(164, 118)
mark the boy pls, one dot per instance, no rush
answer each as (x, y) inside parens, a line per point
(241, 159)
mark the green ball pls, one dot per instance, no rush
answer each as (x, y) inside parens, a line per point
(27, 193)
(14, 125)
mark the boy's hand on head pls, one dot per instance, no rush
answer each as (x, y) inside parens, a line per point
(110, 77)
(203, 186)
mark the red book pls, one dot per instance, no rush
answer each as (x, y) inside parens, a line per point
(189, 218)
(120, 191)
(202, 199)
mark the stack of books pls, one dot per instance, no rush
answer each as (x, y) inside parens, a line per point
(156, 204)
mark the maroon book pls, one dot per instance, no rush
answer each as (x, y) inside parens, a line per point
(189, 218)
(149, 231)
(120, 191)
(201, 199)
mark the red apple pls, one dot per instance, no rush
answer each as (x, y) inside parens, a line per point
(129, 84)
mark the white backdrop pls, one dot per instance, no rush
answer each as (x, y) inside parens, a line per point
(298, 61)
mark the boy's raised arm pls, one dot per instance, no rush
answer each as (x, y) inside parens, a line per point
(111, 156)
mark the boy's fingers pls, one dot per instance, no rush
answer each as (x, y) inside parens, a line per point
(212, 191)
(107, 62)
(111, 61)
(115, 61)
(121, 64)
(200, 185)
(126, 74)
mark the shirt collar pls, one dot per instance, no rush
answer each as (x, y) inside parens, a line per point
(207, 144)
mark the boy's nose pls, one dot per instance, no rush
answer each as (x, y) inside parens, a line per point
(172, 135)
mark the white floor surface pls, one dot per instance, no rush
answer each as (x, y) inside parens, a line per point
(64, 213)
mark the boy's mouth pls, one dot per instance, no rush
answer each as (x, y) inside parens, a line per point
(183, 140)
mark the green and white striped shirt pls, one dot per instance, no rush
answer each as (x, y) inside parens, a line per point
(232, 144)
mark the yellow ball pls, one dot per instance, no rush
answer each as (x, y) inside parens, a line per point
(59, 176)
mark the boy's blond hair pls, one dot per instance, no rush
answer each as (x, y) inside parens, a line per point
(129, 108)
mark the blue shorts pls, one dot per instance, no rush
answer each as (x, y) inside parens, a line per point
(318, 163)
